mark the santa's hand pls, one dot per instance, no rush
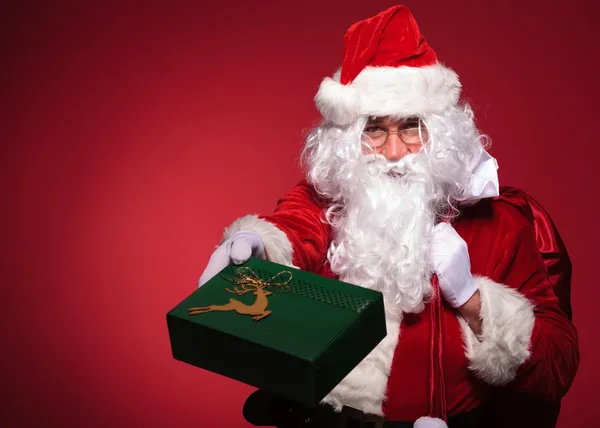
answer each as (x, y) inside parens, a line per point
(449, 258)
(237, 249)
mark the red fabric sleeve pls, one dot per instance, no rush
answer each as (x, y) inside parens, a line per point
(300, 215)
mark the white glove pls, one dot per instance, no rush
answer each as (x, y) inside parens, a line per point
(449, 258)
(237, 250)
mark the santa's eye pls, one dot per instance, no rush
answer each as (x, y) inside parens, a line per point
(411, 124)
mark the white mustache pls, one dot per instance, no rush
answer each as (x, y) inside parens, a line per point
(378, 164)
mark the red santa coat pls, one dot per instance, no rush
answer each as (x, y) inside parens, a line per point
(528, 347)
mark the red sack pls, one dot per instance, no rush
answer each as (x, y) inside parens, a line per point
(554, 253)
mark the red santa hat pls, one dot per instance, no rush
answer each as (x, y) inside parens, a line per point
(388, 69)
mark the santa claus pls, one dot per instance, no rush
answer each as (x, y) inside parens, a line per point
(401, 196)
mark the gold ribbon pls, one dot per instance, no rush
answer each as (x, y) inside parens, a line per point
(246, 276)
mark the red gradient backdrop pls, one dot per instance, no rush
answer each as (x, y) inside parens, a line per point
(136, 131)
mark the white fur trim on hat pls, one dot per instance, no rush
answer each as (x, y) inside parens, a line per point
(504, 344)
(427, 422)
(383, 91)
(277, 245)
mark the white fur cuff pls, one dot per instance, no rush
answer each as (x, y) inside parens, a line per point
(277, 245)
(504, 343)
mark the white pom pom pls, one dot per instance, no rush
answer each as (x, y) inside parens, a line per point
(427, 422)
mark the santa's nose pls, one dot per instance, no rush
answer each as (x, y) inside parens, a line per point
(395, 148)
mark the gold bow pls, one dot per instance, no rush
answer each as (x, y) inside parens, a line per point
(246, 276)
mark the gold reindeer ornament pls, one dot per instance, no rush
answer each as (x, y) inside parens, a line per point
(247, 281)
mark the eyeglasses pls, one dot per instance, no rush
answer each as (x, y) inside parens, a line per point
(378, 137)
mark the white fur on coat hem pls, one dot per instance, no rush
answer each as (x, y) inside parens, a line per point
(365, 387)
(427, 422)
(277, 245)
(504, 344)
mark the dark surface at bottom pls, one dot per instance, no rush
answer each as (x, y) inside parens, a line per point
(264, 409)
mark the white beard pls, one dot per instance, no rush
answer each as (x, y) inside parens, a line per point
(382, 232)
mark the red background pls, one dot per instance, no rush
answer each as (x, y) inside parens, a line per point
(135, 133)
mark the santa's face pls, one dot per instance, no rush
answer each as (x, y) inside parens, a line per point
(389, 181)
(394, 139)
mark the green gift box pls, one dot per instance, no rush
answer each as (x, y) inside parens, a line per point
(290, 332)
